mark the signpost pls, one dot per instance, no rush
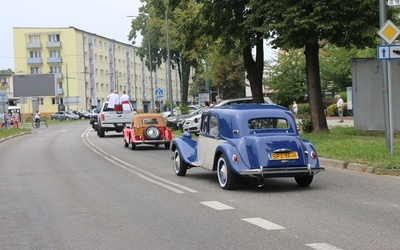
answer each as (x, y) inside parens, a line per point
(389, 32)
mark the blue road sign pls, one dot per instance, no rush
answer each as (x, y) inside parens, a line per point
(389, 52)
(159, 93)
(383, 53)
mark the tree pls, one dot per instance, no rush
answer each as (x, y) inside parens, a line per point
(287, 77)
(310, 24)
(187, 41)
(227, 73)
(229, 22)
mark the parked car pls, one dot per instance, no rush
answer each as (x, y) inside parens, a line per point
(167, 114)
(148, 128)
(257, 140)
(192, 124)
(174, 122)
(63, 115)
(82, 114)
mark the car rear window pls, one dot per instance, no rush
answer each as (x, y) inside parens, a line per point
(149, 121)
(268, 123)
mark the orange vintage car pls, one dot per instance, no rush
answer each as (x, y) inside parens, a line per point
(148, 128)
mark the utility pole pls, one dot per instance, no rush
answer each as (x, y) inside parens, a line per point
(151, 73)
(168, 61)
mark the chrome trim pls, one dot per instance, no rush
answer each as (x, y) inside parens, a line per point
(269, 171)
(150, 141)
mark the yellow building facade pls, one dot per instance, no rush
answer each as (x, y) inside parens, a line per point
(88, 67)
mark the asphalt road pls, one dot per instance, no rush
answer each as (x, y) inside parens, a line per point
(65, 188)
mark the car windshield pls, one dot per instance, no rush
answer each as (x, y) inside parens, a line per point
(268, 123)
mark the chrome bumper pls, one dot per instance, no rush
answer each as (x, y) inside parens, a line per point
(150, 141)
(270, 171)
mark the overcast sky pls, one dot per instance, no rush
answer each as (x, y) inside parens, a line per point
(104, 18)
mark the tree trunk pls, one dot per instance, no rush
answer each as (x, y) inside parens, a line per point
(185, 80)
(255, 70)
(317, 113)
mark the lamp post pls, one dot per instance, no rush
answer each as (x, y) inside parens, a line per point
(151, 73)
(168, 61)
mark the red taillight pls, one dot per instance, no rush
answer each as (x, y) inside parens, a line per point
(235, 158)
(102, 116)
(313, 155)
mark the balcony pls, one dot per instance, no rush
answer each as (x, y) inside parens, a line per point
(59, 91)
(37, 45)
(53, 44)
(54, 60)
(34, 60)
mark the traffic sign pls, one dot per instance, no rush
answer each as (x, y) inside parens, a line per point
(389, 32)
(159, 93)
(3, 98)
(383, 52)
(394, 52)
(389, 52)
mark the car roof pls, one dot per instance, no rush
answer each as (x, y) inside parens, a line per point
(232, 116)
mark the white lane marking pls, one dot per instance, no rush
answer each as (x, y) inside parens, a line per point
(322, 246)
(216, 205)
(263, 223)
(133, 169)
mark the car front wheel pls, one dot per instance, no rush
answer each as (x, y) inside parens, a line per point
(180, 166)
(304, 181)
(226, 177)
(126, 144)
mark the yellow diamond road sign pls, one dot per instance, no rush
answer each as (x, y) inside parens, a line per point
(389, 32)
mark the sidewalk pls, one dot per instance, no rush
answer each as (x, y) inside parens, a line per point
(332, 121)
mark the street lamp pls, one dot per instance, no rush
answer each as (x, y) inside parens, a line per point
(168, 61)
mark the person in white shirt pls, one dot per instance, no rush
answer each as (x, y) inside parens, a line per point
(295, 109)
(340, 105)
(113, 99)
(37, 119)
(125, 101)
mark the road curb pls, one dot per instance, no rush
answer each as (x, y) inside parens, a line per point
(357, 167)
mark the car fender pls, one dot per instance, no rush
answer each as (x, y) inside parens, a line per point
(314, 162)
(229, 150)
(186, 148)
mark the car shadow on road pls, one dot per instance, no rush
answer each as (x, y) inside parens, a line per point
(270, 185)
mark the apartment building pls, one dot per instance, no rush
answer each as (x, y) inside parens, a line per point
(88, 67)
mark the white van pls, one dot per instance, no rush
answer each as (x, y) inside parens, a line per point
(11, 110)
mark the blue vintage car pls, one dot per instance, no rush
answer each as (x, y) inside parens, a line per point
(252, 140)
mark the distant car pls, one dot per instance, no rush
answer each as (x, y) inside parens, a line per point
(82, 114)
(63, 115)
(174, 122)
(167, 114)
(256, 140)
(93, 118)
(148, 128)
(192, 124)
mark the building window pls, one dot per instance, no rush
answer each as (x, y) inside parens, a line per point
(34, 39)
(59, 85)
(36, 70)
(35, 54)
(56, 101)
(105, 59)
(55, 69)
(101, 58)
(54, 38)
(55, 53)
(41, 101)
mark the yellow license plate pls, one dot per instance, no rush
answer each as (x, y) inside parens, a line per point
(284, 156)
(138, 131)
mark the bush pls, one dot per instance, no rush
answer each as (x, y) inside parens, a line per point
(305, 123)
(332, 110)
